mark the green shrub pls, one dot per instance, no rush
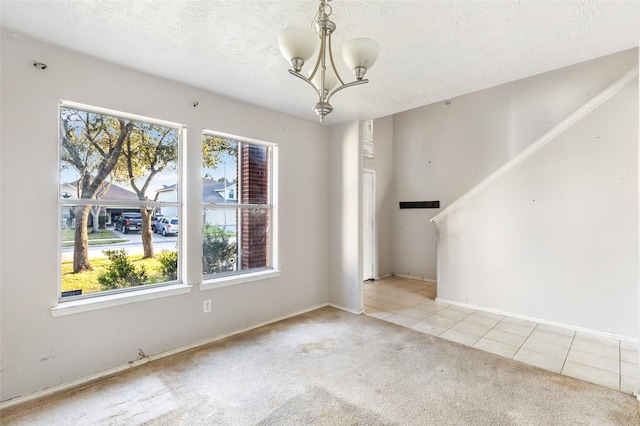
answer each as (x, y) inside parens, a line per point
(121, 272)
(168, 264)
(219, 254)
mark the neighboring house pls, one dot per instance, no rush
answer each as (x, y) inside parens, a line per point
(167, 193)
(220, 192)
(69, 190)
(212, 192)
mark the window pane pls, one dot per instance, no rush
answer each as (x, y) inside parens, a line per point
(254, 238)
(115, 159)
(236, 240)
(114, 253)
(122, 165)
(219, 241)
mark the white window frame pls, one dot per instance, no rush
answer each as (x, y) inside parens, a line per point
(103, 299)
(240, 277)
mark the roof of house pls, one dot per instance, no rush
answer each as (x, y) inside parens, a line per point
(115, 192)
(210, 192)
(166, 188)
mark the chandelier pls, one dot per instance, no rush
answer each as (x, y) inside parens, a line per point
(299, 44)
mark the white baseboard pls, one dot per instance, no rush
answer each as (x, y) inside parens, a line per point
(412, 277)
(102, 374)
(342, 308)
(538, 320)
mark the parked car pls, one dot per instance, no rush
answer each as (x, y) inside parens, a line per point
(155, 223)
(167, 225)
(129, 221)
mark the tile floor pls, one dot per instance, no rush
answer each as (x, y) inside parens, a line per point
(411, 303)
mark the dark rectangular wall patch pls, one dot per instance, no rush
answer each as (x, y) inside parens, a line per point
(419, 204)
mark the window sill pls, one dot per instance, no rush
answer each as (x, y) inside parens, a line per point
(101, 302)
(239, 279)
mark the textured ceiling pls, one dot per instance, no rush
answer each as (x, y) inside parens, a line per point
(429, 50)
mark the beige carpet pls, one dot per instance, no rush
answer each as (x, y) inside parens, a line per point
(329, 367)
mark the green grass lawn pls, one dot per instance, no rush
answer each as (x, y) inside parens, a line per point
(88, 281)
(104, 235)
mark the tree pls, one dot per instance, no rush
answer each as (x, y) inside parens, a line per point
(95, 210)
(91, 144)
(213, 148)
(148, 150)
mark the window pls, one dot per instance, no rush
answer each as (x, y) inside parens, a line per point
(116, 171)
(237, 196)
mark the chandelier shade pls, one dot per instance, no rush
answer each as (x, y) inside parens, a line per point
(360, 53)
(298, 45)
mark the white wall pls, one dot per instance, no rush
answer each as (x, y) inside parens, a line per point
(441, 151)
(382, 163)
(38, 350)
(345, 223)
(555, 236)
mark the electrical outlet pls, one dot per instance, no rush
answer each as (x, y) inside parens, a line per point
(206, 306)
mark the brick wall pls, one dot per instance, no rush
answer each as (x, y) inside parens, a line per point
(255, 222)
